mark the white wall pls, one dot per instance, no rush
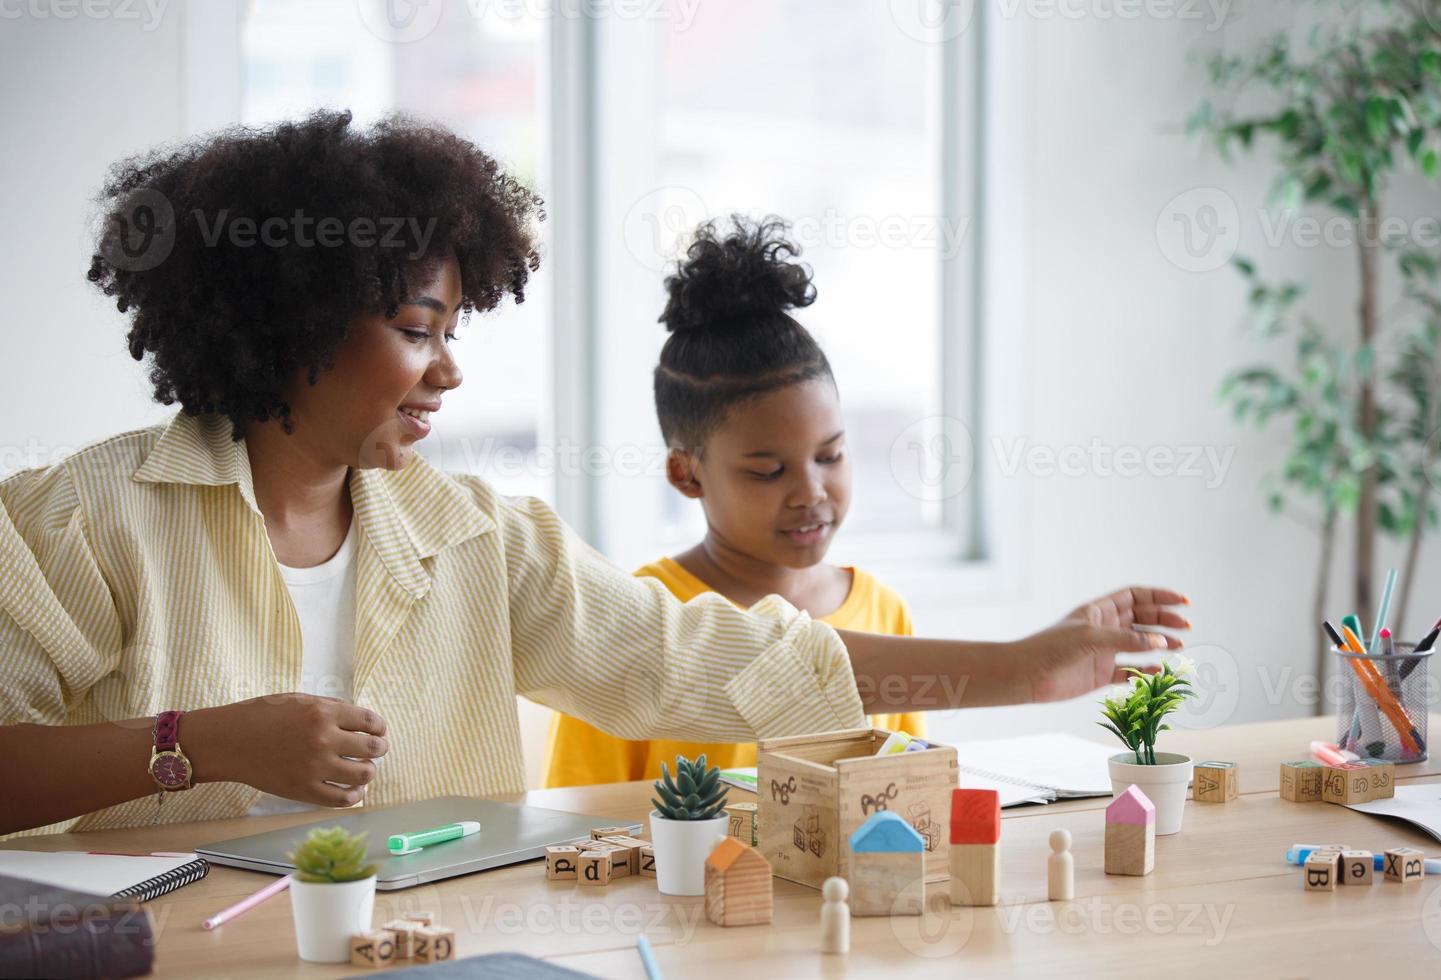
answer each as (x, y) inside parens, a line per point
(1100, 335)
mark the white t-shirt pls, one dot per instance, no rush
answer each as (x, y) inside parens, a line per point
(324, 598)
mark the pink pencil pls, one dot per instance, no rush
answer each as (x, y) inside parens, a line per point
(246, 904)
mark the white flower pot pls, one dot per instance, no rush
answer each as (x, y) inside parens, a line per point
(327, 914)
(681, 847)
(1164, 785)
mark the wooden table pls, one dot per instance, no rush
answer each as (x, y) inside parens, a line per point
(1221, 903)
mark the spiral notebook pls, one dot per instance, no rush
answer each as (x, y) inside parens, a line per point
(138, 876)
(1036, 768)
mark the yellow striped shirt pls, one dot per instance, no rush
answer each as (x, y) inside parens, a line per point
(136, 576)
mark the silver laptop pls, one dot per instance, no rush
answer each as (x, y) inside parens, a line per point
(508, 834)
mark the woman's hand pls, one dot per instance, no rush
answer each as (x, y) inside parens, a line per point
(1078, 654)
(291, 745)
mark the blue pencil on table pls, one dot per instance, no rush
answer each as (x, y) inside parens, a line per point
(647, 958)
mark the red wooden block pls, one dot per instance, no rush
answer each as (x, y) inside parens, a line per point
(975, 816)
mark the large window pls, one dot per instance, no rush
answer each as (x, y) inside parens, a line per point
(482, 77)
(641, 120)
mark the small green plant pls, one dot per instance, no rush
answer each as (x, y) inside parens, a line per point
(330, 854)
(696, 793)
(1135, 717)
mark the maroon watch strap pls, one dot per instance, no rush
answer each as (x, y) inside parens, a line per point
(167, 730)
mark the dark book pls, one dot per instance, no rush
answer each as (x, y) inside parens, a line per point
(55, 932)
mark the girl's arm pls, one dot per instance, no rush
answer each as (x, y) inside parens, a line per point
(1071, 658)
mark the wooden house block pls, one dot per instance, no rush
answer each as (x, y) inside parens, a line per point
(1215, 782)
(1130, 834)
(1301, 781)
(737, 885)
(1357, 867)
(1404, 864)
(816, 790)
(594, 867)
(434, 944)
(600, 832)
(647, 862)
(1349, 782)
(1383, 779)
(424, 918)
(560, 863)
(1320, 872)
(374, 949)
(742, 822)
(402, 931)
(975, 838)
(888, 867)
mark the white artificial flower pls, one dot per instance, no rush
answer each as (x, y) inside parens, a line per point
(1183, 665)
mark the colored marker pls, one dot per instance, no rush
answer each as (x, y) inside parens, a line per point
(410, 843)
(1386, 594)
(246, 904)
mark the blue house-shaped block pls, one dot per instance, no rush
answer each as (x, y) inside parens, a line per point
(885, 832)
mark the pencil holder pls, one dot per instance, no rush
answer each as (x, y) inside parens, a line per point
(1385, 701)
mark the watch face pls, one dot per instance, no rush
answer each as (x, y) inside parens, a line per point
(170, 770)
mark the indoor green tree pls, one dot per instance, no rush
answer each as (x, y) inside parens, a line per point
(1349, 112)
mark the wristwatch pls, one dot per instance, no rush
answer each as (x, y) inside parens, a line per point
(168, 765)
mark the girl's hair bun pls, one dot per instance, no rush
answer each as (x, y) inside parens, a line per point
(736, 276)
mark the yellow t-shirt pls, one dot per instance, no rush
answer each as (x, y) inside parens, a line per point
(579, 754)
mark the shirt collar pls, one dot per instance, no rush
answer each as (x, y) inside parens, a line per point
(418, 508)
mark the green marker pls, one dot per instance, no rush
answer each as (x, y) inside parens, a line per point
(411, 843)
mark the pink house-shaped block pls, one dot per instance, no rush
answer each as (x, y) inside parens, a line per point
(1131, 807)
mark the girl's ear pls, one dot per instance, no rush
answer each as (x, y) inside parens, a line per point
(681, 470)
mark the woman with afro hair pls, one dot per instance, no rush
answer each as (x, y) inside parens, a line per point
(246, 609)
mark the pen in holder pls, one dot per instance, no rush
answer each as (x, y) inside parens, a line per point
(1386, 697)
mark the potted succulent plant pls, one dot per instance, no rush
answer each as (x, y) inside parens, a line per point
(689, 816)
(1135, 717)
(332, 893)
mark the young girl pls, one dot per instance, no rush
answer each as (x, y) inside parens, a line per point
(749, 409)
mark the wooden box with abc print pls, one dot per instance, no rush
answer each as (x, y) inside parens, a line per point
(815, 790)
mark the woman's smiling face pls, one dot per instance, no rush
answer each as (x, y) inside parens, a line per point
(389, 376)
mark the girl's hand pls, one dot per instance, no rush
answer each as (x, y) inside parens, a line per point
(1136, 606)
(1078, 654)
(298, 746)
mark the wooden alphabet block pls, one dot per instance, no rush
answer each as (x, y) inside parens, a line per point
(1357, 867)
(1383, 780)
(402, 931)
(631, 846)
(1301, 781)
(1349, 782)
(1321, 871)
(600, 832)
(619, 857)
(434, 944)
(741, 823)
(647, 862)
(594, 867)
(560, 863)
(424, 918)
(374, 949)
(1404, 864)
(1215, 782)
